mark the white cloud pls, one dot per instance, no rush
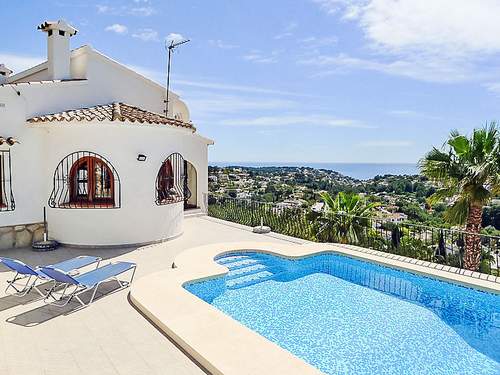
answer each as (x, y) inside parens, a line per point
(146, 35)
(117, 28)
(291, 26)
(259, 57)
(174, 37)
(144, 11)
(237, 88)
(386, 143)
(432, 70)
(295, 119)
(493, 87)
(425, 39)
(451, 27)
(103, 8)
(159, 76)
(222, 45)
(209, 103)
(313, 42)
(18, 63)
(334, 6)
(410, 113)
(403, 112)
(282, 35)
(287, 31)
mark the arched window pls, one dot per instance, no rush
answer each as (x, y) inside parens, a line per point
(85, 180)
(170, 180)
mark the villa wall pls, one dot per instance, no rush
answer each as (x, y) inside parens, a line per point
(139, 219)
(27, 165)
(17, 236)
(42, 147)
(103, 81)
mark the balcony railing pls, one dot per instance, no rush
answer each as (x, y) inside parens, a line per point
(432, 244)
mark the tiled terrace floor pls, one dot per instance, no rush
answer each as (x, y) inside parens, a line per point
(109, 336)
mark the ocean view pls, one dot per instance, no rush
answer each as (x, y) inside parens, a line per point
(365, 239)
(361, 171)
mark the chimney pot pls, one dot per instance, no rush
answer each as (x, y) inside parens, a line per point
(58, 51)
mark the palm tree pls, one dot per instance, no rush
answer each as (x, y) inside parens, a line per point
(345, 217)
(467, 172)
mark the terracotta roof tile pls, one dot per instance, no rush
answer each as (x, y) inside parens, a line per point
(111, 112)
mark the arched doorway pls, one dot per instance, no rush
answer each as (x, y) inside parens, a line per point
(170, 180)
(191, 186)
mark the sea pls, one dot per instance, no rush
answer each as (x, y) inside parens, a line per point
(360, 171)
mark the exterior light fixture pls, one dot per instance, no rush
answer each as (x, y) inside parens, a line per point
(10, 141)
(141, 157)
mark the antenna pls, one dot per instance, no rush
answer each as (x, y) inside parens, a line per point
(170, 47)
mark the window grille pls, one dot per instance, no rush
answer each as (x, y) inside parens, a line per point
(171, 180)
(187, 192)
(84, 179)
(6, 197)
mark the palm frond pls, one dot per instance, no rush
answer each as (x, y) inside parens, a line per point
(460, 145)
(458, 212)
(437, 165)
(466, 169)
(441, 194)
(329, 201)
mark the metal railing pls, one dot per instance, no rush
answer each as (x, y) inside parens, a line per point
(432, 244)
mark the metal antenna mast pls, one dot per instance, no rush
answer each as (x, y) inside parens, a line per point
(170, 47)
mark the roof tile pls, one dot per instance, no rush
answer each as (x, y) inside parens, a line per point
(111, 112)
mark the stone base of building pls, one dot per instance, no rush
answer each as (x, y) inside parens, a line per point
(22, 235)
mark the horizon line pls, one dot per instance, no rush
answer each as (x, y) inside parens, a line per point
(311, 162)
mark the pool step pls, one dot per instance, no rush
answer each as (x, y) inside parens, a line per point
(250, 279)
(232, 258)
(245, 270)
(241, 263)
(254, 268)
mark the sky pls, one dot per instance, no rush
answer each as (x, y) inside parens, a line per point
(297, 80)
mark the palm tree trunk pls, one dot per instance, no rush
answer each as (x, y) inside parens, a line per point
(472, 256)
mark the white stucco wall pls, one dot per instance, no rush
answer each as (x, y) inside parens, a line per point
(28, 170)
(139, 219)
(106, 81)
(43, 146)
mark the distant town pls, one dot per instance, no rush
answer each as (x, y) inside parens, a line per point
(400, 198)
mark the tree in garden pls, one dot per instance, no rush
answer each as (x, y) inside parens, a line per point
(467, 172)
(345, 217)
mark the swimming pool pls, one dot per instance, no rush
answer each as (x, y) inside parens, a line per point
(346, 316)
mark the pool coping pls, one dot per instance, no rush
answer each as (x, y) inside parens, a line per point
(221, 344)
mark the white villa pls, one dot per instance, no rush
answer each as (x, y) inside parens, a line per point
(87, 138)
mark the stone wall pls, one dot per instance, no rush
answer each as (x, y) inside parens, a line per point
(20, 235)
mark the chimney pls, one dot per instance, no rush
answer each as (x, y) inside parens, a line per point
(58, 53)
(4, 73)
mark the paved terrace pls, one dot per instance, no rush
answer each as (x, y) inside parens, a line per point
(109, 336)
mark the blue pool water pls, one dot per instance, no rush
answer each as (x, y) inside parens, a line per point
(346, 316)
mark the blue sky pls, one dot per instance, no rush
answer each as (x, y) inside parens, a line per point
(298, 80)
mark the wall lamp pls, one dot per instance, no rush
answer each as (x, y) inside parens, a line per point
(141, 157)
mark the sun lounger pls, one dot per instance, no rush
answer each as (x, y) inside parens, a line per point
(26, 277)
(74, 286)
